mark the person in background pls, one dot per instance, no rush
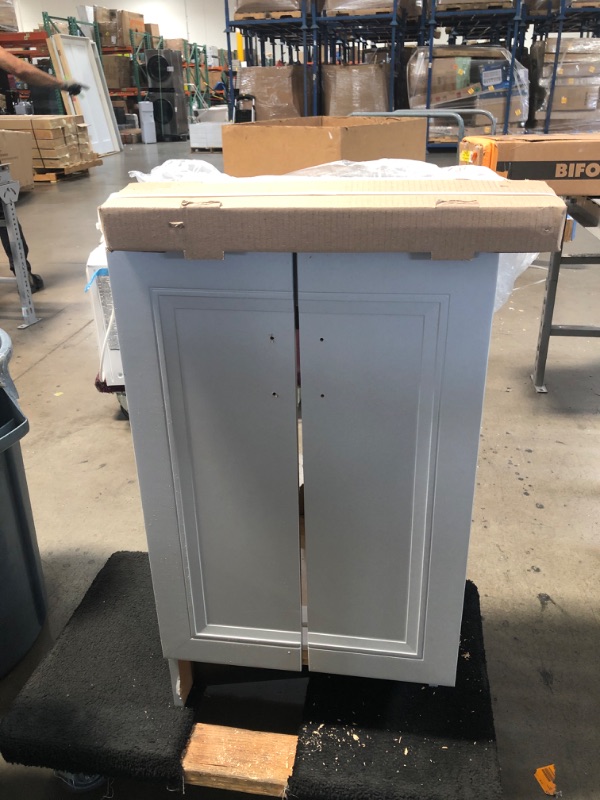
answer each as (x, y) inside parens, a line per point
(26, 72)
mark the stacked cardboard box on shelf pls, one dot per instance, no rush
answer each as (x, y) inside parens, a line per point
(114, 26)
(470, 77)
(176, 44)
(118, 71)
(58, 142)
(8, 16)
(278, 91)
(355, 87)
(576, 101)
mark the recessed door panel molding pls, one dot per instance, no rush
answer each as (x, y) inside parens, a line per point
(384, 552)
(209, 359)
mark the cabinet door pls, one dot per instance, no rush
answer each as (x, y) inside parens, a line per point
(393, 354)
(209, 359)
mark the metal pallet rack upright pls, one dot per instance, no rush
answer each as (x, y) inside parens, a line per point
(582, 20)
(288, 34)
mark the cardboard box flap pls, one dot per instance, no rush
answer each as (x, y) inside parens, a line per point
(450, 220)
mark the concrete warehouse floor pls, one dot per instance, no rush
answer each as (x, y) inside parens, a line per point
(534, 552)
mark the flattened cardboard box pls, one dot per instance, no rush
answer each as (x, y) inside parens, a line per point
(569, 163)
(277, 147)
(447, 219)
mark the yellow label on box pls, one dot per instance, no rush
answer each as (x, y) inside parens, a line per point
(571, 81)
(491, 89)
(559, 71)
(563, 100)
(592, 69)
(471, 91)
(461, 72)
(518, 112)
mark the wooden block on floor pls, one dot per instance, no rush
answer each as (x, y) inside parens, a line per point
(239, 760)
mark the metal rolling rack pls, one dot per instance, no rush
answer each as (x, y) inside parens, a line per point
(502, 26)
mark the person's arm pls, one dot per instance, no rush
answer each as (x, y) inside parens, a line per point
(32, 75)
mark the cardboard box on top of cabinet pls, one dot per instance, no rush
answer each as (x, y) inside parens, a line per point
(16, 151)
(276, 147)
(451, 220)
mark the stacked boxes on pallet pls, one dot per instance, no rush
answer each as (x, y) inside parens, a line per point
(118, 71)
(114, 26)
(334, 8)
(265, 7)
(470, 77)
(278, 91)
(576, 101)
(58, 142)
(355, 87)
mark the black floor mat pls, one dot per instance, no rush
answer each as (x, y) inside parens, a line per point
(101, 700)
(400, 741)
(101, 703)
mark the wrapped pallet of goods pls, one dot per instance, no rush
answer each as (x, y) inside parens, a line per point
(470, 77)
(8, 16)
(355, 87)
(59, 143)
(278, 91)
(575, 105)
(340, 8)
(265, 9)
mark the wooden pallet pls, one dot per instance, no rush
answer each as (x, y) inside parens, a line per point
(585, 4)
(476, 5)
(240, 17)
(54, 174)
(361, 12)
(239, 760)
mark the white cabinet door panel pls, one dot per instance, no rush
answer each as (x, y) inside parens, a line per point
(390, 434)
(209, 368)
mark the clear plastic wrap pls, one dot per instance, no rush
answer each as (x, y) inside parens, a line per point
(355, 87)
(470, 77)
(511, 265)
(264, 6)
(278, 91)
(341, 7)
(576, 101)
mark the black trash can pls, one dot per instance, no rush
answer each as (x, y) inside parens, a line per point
(22, 595)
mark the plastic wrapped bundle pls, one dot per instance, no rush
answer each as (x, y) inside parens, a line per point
(356, 7)
(576, 102)
(470, 78)
(8, 16)
(278, 91)
(266, 7)
(355, 87)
